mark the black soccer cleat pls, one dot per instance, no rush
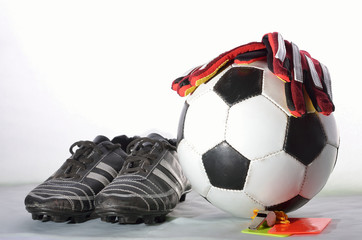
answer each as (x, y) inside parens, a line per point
(68, 195)
(149, 186)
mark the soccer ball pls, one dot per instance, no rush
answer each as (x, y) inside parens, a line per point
(242, 150)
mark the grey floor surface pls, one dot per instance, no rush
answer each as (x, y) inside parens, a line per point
(193, 219)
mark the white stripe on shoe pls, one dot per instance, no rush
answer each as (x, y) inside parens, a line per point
(99, 178)
(165, 178)
(107, 168)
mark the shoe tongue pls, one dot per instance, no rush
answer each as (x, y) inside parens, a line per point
(156, 136)
(147, 145)
(100, 139)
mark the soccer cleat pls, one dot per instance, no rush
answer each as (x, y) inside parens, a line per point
(68, 195)
(149, 186)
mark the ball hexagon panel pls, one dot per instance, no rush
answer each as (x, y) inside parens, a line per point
(239, 83)
(273, 89)
(235, 202)
(225, 167)
(305, 138)
(205, 115)
(193, 168)
(331, 130)
(318, 172)
(256, 127)
(274, 179)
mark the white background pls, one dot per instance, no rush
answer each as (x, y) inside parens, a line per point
(71, 70)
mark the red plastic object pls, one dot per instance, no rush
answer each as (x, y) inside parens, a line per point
(301, 226)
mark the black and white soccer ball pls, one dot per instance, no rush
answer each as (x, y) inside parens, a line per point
(242, 150)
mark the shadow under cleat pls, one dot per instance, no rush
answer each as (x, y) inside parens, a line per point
(80, 219)
(154, 219)
(109, 219)
(183, 197)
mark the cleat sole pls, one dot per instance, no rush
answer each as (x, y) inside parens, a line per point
(123, 216)
(46, 215)
(148, 218)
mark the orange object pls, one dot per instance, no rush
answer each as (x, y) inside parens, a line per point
(282, 217)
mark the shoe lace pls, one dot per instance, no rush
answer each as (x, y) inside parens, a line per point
(83, 156)
(143, 152)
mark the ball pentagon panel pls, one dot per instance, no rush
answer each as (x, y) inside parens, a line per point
(239, 83)
(305, 138)
(225, 167)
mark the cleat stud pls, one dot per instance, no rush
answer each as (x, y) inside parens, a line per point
(160, 219)
(149, 219)
(139, 220)
(36, 216)
(154, 219)
(111, 219)
(122, 220)
(46, 218)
